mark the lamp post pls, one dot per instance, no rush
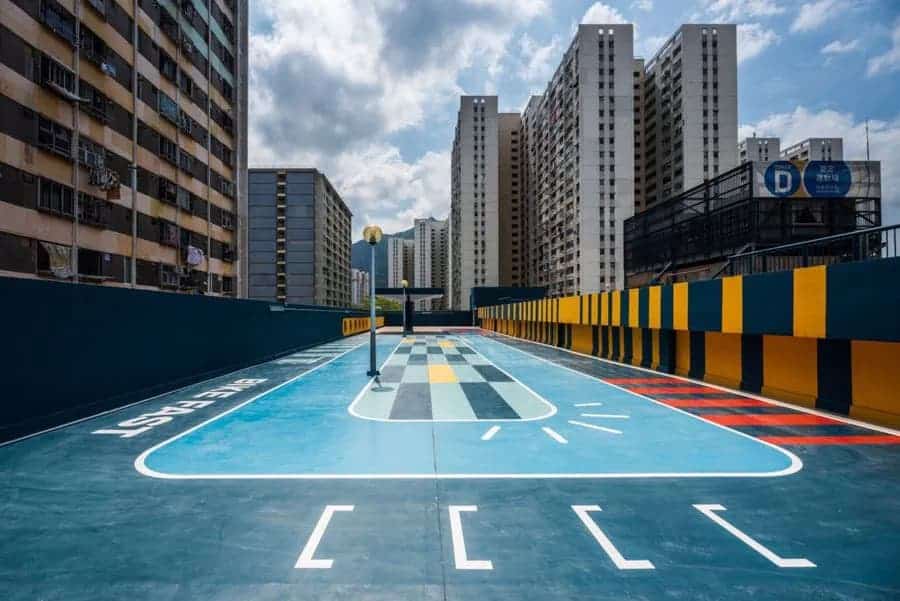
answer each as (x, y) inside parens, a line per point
(405, 285)
(372, 235)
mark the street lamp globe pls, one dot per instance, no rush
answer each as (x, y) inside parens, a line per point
(404, 283)
(372, 234)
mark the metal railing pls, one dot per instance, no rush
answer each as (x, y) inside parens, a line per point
(861, 245)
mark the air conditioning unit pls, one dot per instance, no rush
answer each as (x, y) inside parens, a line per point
(108, 68)
(168, 277)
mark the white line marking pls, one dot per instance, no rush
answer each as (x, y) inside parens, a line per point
(306, 561)
(490, 433)
(606, 415)
(743, 393)
(593, 427)
(554, 435)
(550, 413)
(588, 404)
(781, 562)
(795, 466)
(606, 544)
(459, 544)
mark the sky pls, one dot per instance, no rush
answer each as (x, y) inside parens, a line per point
(367, 91)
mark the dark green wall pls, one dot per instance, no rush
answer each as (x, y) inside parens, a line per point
(74, 350)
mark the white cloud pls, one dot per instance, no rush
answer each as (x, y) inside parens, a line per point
(839, 47)
(331, 82)
(753, 39)
(884, 140)
(644, 5)
(736, 10)
(890, 60)
(538, 61)
(602, 14)
(813, 15)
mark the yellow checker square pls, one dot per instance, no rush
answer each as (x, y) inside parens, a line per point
(441, 374)
(446, 344)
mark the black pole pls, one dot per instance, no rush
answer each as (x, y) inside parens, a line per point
(372, 371)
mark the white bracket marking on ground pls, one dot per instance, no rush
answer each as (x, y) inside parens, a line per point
(306, 561)
(554, 435)
(781, 562)
(605, 415)
(610, 549)
(490, 433)
(593, 427)
(459, 544)
(588, 404)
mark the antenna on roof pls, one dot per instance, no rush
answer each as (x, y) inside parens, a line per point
(867, 139)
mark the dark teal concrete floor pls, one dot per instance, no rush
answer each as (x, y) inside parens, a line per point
(77, 522)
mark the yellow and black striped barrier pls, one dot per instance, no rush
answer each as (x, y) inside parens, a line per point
(355, 325)
(826, 337)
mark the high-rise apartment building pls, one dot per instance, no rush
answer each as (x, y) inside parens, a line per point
(432, 244)
(299, 238)
(690, 110)
(359, 286)
(640, 201)
(123, 129)
(756, 149)
(815, 149)
(580, 144)
(512, 217)
(474, 210)
(401, 255)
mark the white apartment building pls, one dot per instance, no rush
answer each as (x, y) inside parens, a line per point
(359, 286)
(756, 149)
(580, 181)
(690, 110)
(400, 261)
(474, 210)
(815, 149)
(431, 247)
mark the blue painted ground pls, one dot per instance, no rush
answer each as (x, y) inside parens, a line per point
(304, 429)
(79, 523)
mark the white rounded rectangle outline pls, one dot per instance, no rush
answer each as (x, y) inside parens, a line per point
(140, 462)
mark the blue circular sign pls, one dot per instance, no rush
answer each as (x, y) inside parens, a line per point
(827, 178)
(782, 178)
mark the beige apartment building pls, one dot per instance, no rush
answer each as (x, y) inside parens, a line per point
(474, 205)
(431, 247)
(123, 142)
(401, 257)
(512, 217)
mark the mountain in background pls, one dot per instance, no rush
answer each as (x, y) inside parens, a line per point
(360, 258)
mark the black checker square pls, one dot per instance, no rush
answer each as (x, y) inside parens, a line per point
(491, 373)
(435, 350)
(454, 358)
(465, 350)
(403, 350)
(417, 359)
(392, 373)
(413, 401)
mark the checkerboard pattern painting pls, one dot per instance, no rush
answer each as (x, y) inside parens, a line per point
(440, 378)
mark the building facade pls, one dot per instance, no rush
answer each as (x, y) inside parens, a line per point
(299, 238)
(123, 155)
(759, 149)
(432, 244)
(690, 110)
(401, 256)
(640, 200)
(474, 210)
(815, 149)
(359, 287)
(512, 217)
(580, 138)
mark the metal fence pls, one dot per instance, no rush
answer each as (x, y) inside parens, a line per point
(863, 245)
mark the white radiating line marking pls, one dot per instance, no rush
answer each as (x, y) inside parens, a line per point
(593, 427)
(554, 435)
(306, 560)
(606, 544)
(588, 404)
(606, 415)
(781, 562)
(490, 433)
(459, 544)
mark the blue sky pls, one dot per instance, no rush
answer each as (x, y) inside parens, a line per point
(367, 91)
